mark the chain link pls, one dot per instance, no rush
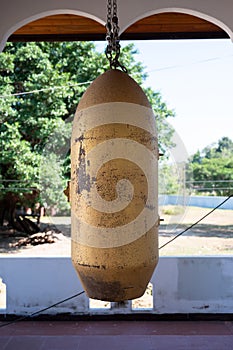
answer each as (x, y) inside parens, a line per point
(112, 37)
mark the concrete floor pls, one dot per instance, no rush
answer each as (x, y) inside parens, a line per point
(117, 335)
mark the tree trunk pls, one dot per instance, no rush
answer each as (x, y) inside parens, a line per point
(7, 209)
(17, 220)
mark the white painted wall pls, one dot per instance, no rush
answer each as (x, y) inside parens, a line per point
(196, 201)
(180, 284)
(16, 13)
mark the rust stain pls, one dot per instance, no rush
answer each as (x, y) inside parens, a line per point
(110, 131)
(112, 289)
(106, 180)
(94, 266)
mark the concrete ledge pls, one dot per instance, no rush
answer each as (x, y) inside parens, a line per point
(181, 285)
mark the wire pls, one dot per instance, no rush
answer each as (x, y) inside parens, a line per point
(44, 89)
(201, 181)
(189, 64)
(89, 82)
(8, 180)
(42, 310)
(195, 223)
(27, 189)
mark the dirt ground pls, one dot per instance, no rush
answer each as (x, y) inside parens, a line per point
(213, 236)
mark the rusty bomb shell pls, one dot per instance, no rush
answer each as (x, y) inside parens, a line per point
(114, 198)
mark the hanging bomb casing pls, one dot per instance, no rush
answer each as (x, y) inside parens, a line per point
(113, 193)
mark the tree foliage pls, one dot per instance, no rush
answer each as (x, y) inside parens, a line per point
(40, 89)
(212, 168)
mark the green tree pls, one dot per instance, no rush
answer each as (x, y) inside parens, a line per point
(212, 169)
(162, 113)
(40, 87)
(169, 179)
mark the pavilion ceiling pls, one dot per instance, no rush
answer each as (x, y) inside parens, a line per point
(77, 28)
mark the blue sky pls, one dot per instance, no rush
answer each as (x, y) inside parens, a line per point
(195, 78)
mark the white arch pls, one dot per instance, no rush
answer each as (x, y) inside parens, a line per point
(184, 11)
(27, 20)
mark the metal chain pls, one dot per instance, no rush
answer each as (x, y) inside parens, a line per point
(112, 37)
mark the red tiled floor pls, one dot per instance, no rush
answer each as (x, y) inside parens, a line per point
(117, 335)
